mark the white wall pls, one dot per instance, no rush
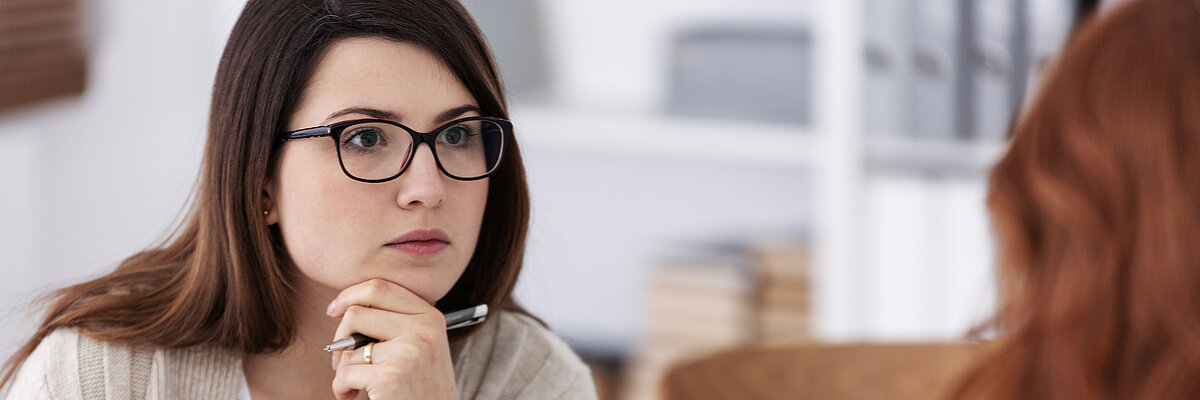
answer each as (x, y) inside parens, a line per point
(87, 182)
(19, 228)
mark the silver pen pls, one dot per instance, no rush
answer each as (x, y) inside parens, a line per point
(457, 319)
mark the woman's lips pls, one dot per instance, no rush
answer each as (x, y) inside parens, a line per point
(420, 242)
(419, 247)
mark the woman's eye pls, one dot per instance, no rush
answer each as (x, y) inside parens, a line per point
(366, 137)
(458, 135)
(454, 135)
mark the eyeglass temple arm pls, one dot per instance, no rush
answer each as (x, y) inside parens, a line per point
(307, 133)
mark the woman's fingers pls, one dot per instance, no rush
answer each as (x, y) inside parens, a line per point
(400, 381)
(402, 338)
(384, 353)
(379, 293)
(411, 358)
(385, 325)
(386, 311)
(351, 380)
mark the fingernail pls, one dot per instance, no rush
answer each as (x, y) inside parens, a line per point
(329, 310)
(334, 358)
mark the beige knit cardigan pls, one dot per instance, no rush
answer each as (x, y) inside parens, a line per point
(509, 357)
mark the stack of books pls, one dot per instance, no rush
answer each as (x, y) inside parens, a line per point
(701, 301)
(783, 307)
(711, 298)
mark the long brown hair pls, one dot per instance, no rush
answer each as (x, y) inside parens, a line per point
(224, 278)
(1097, 211)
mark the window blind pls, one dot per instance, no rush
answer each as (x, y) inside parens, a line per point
(41, 52)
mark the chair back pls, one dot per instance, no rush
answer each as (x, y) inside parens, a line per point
(810, 371)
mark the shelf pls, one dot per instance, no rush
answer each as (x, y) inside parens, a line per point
(755, 143)
(932, 156)
(670, 137)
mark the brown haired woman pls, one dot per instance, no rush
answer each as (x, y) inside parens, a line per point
(1097, 211)
(359, 177)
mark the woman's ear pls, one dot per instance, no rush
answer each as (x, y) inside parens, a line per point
(270, 212)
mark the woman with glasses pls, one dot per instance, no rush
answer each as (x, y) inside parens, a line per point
(359, 182)
(1097, 212)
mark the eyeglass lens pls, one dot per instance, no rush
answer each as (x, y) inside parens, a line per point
(377, 150)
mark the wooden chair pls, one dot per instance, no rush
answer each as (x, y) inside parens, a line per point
(810, 371)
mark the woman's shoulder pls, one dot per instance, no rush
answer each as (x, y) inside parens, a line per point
(38, 375)
(515, 356)
(68, 364)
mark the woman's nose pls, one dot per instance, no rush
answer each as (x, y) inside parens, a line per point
(422, 184)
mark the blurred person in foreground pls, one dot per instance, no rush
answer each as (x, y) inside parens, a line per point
(1097, 211)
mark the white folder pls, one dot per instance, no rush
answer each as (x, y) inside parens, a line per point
(888, 68)
(935, 61)
(992, 69)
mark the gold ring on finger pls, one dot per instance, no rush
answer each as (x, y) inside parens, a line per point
(367, 353)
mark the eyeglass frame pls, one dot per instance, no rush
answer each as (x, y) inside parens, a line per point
(334, 131)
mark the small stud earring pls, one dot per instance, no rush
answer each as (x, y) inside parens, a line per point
(266, 212)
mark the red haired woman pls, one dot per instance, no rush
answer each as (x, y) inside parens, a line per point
(1097, 211)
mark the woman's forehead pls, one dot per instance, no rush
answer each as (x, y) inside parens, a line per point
(401, 79)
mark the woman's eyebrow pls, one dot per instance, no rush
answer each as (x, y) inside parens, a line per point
(445, 116)
(370, 112)
(453, 113)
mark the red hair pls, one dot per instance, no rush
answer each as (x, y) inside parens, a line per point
(1097, 211)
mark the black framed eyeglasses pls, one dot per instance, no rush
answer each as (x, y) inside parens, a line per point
(377, 150)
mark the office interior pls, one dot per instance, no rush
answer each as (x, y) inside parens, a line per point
(705, 174)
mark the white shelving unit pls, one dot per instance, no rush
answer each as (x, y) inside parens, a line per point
(655, 135)
(972, 160)
(824, 176)
(839, 225)
(831, 152)
(612, 188)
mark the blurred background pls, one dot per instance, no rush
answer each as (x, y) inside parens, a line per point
(706, 174)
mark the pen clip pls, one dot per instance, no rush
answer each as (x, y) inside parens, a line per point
(468, 322)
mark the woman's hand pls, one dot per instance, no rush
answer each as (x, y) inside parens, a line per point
(411, 359)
